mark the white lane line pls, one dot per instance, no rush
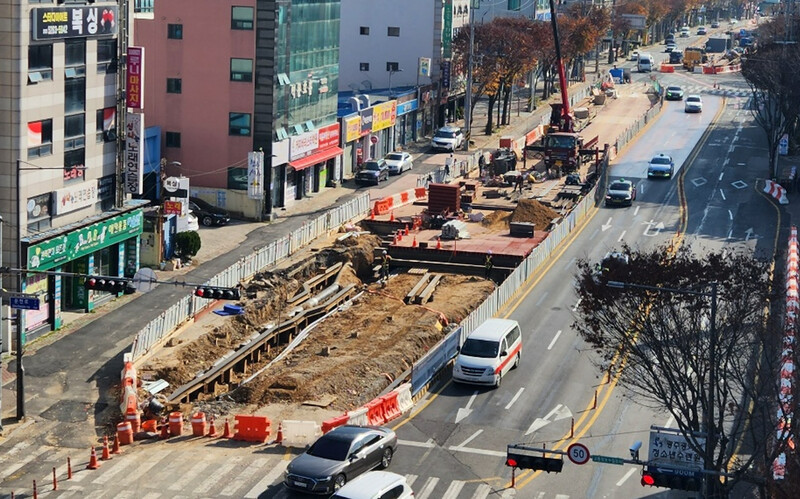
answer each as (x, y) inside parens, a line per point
(470, 439)
(722, 193)
(741, 164)
(25, 460)
(541, 298)
(553, 342)
(151, 495)
(256, 466)
(217, 476)
(569, 264)
(270, 477)
(411, 443)
(575, 308)
(721, 174)
(730, 233)
(641, 187)
(509, 494)
(626, 476)
(636, 211)
(725, 163)
(670, 421)
(730, 214)
(594, 234)
(482, 492)
(142, 469)
(115, 467)
(411, 479)
(562, 496)
(621, 236)
(427, 489)
(188, 477)
(453, 490)
(516, 396)
(482, 452)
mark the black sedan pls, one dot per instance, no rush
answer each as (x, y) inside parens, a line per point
(674, 92)
(207, 213)
(373, 172)
(621, 193)
(340, 455)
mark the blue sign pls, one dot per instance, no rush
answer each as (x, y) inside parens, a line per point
(21, 303)
(445, 74)
(406, 107)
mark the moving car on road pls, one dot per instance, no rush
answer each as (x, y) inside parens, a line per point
(398, 162)
(634, 56)
(670, 47)
(488, 353)
(374, 171)
(715, 24)
(621, 193)
(661, 165)
(207, 213)
(701, 30)
(448, 138)
(674, 92)
(339, 456)
(376, 485)
(694, 104)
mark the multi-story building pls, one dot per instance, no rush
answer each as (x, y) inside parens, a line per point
(58, 153)
(227, 78)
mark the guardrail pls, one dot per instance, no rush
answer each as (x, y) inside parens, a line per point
(189, 306)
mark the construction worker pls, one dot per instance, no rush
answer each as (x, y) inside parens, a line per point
(385, 261)
(487, 266)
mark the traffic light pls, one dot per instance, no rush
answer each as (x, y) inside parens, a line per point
(215, 293)
(109, 284)
(671, 478)
(521, 458)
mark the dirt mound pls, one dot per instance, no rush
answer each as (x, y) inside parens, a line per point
(532, 211)
(497, 220)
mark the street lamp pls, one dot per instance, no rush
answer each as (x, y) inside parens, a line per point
(711, 434)
(468, 94)
(391, 72)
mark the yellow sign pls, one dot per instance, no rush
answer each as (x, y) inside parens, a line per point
(352, 128)
(384, 115)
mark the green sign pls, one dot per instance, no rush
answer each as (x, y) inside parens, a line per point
(81, 242)
(607, 459)
(447, 30)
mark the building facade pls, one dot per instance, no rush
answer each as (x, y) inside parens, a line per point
(59, 194)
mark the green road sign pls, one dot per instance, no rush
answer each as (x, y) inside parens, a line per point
(607, 459)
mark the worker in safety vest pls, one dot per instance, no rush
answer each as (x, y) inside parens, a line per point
(487, 266)
(385, 260)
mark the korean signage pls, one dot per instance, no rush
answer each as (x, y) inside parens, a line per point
(445, 74)
(424, 66)
(447, 30)
(303, 145)
(384, 115)
(366, 120)
(71, 22)
(134, 154)
(38, 207)
(669, 448)
(407, 107)
(76, 197)
(306, 87)
(173, 207)
(134, 83)
(81, 242)
(352, 128)
(255, 174)
(329, 136)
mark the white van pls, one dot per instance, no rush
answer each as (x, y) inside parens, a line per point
(489, 352)
(645, 63)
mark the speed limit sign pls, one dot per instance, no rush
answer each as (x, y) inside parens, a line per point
(578, 453)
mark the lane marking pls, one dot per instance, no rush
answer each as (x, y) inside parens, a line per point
(541, 298)
(619, 239)
(721, 174)
(256, 466)
(463, 412)
(483, 491)
(412, 443)
(453, 490)
(516, 396)
(730, 214)
(722, 193)
(468, 440)
(265, 482)
(575, 308)
(636, 211)
(553, 342)
(569, 264)
(626, 476)
(411, 479)
(427, 490)
(186, 478)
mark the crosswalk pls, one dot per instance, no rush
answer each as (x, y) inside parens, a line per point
(213, 471)
(721, 91)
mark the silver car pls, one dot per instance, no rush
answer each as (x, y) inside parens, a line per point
(398, 162)
(340, 455)
(693, 104)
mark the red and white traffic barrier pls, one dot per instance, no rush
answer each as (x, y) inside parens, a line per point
(777, 191)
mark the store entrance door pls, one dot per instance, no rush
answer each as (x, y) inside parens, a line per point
(75, 297)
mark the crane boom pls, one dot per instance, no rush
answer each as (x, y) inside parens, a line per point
(566, 118)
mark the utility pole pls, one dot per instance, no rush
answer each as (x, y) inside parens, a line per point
(611, 55)
(122, 99)
(475, 4)
(711, 429)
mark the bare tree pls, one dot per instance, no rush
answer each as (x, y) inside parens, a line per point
(671, 353)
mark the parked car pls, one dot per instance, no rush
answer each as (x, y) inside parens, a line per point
(661, 165)
(399, 162)
(670, 47)
(694, 104)
(685, 32)
(373, 172)
(376, 485)
(670, 38)
(621, 193)
(187, 223)
(339, 456)
(634, 56)
(715, 24)
(207, 213)
(701, 30)
(674, 92)
(675, 57)
(448, 138)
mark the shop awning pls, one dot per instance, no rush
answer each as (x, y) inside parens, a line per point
(315, 158)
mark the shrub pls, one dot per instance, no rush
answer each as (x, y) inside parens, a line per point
(187, 244)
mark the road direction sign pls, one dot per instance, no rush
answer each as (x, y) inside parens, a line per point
(578, 453)
(23, 303)
(608, 460)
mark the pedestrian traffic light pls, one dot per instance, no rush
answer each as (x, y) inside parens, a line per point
(524, 459)
(109, 284)
(672, 478)
(217, 293)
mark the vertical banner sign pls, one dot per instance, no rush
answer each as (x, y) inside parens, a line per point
(134, 157)
(447, 30)
(424, 66)
(445, 74)
(255, 174)
(135, 78)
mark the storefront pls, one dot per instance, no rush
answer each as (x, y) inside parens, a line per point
(314, 162)
(351, 131)
(107, 245)
(407, 126)
(384, 117)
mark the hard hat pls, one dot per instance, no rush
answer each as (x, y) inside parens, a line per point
(489, 252)
(384, 252)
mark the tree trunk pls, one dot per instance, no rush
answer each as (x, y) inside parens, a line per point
(506, 106)
(490, 107)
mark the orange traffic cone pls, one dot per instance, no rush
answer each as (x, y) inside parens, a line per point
(399, 234)
(371, 214)
(279, 436)
(227, 433)
(414, 242)
(164, 432)
(406, 232)
(115, 449)
(106, 452)
(391, 217)
(438, 243)
(93, 462)
(212, 431)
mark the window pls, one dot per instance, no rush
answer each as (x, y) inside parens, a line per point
(238, 124)
(106, 56)
(174, 85)
(393, 31)
(40, 63)
(393, 66)
(39, 207)
(363, 66)
(143, 6)
(75, 95)
(75, 52)
(513, 4)
(73, 164)
(237, 178)
(364, 30)
(74, 131)
(173, 139)
(241, 17)
(241, 69)
(106, 125)
(40, 138)
(175, 31)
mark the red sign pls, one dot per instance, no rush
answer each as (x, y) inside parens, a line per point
(135, 78)
(373, 139)
(328, 136)
(172, 207)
